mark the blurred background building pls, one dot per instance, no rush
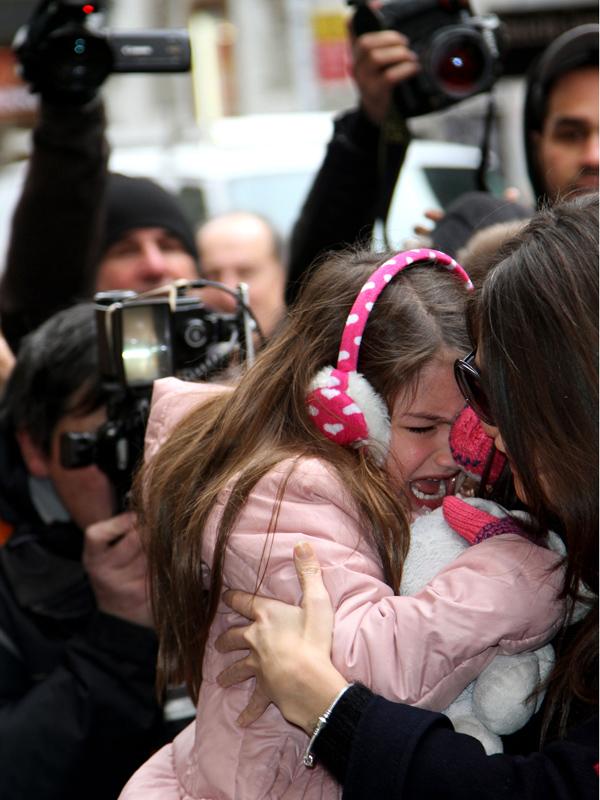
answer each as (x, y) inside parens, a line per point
(256, 56)
(262, 70)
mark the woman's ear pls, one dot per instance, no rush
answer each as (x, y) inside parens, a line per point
(36, 461)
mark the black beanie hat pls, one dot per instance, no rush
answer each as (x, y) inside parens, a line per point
(142, 203)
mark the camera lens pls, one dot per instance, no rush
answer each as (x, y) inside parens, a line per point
(461, 69)
(195, 334)
(77, 59)
(460, 63)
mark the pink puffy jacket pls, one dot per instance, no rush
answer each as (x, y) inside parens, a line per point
(497, 597)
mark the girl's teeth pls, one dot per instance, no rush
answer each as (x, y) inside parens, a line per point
(437, 495)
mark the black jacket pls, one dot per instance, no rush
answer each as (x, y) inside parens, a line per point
(52, 256)
(78, 712)
(390, 751)
(353, 189)
(349, 193)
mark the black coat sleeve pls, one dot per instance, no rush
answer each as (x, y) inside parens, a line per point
(346, 197)
(52, 252)
(83, 727)
(397, 751)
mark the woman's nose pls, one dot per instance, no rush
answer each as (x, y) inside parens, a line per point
(493, 432)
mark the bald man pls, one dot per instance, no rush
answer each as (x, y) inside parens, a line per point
(242, 247)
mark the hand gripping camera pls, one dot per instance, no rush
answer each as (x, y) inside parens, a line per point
(63, 55)
(141, 338)
(459, 53)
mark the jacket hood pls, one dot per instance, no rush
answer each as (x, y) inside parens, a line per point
(573, 49)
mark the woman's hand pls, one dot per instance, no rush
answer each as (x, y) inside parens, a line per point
(289, 648)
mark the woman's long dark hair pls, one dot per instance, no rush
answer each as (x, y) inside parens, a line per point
(537, 330)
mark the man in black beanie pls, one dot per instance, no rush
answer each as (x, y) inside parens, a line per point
(78, 228)
(147, 240)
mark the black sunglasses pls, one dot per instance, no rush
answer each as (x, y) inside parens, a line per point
(468, 378)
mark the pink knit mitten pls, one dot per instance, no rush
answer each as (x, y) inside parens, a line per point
(474, 524)
(471, 447)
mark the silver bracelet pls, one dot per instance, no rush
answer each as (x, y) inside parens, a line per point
(309, 758)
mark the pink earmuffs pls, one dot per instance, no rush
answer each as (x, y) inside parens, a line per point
(341, 401)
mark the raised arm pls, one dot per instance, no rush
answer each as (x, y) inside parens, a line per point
(52, 253)
(349, 192)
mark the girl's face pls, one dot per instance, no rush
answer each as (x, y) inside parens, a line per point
(420, 459)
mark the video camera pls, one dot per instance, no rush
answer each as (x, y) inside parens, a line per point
(459, 53)
(63, 54)
(141, 338)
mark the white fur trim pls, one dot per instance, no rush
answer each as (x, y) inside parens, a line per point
(375, 413)
(323, 380)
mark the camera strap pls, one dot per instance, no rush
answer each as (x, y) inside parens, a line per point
(484, 148)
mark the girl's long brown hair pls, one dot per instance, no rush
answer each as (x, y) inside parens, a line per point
(537, 327)
(233, 440)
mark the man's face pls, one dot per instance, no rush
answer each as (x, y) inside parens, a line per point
(143, 259)
(237, 250)
(567, 147)
(85, 492)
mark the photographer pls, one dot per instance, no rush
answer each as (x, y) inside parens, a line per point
(349, 193)
(78, 228)
(78, 710)
(346, 195)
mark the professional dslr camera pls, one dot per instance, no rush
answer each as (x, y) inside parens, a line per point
(65, 56)
(459, 53)
(141, 338)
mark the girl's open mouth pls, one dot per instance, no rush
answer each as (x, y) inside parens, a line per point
(429, 492)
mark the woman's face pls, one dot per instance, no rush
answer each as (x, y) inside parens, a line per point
(420, 459)
(493, 432)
